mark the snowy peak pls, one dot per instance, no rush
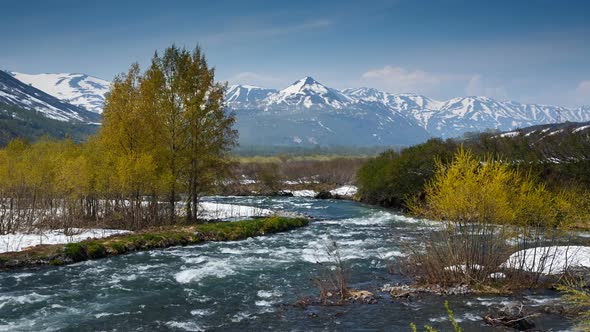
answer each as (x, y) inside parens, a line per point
(16, 93)
(404, 101)
(308, 93)
(463, 106)
(77, 89)
(306, 84)
(246, 95)
(450, 118)
(365, 94)
(459, 115)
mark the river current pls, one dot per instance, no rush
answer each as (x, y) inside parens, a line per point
(248, 285)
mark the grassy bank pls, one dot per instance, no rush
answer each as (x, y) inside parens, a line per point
(161, 237)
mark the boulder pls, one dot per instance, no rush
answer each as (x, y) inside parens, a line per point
(323, 195)
(361, 296)
(513, 316)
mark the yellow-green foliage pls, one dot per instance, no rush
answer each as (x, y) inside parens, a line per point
(456, 326)
(491, 191)
(428, 328)
(577, 295)
(165, 135)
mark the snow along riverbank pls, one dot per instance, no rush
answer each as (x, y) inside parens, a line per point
(549, 260)
(209, 211)
(20, 241)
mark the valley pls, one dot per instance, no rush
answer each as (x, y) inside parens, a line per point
(295, 166)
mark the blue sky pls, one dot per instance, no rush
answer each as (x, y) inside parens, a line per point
(530, 51)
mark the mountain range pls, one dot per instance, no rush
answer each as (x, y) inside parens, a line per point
(14, 92)
(30, 113)
(377, 117)
(304, 113)
(77, 89)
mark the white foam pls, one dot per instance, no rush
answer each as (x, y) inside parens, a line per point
(201, 312)
(240, 316)
(107, 314)
(187, 326)
(22, 299)
(263, 303)
(210, 269)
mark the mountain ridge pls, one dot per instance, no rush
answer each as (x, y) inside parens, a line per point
(14, 92)
(448, 118)
(309, 112)
(74, 88)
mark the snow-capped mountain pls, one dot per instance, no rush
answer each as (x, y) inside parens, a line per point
(459, 115)
(309, 113)
(306, 112)
(245, 96)
(379, 117)
(366, 94)
(469, 114)
(544, 131)
(307, 93)
(76, 89)
(15, 93)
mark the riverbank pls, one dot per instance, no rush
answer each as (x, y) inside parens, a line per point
(161, 237)
(251, 284)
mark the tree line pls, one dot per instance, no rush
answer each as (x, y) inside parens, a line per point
(488, 206)
(164, 141)
(561, 161)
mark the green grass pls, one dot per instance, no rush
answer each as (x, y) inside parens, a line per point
(75, 252)
(161, 237)
(249, 228)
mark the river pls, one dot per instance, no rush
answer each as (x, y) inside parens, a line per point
(245, 285)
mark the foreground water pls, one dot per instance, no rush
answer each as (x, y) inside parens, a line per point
(245, 285)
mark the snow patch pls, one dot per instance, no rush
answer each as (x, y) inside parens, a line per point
(345, 191)
(21, 241)
(211, 211)
(549, 260)
(304, 193)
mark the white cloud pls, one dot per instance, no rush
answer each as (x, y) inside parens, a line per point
(582, 93)
(253, 78)
(400, 80)
(477, 87)
(446, 85)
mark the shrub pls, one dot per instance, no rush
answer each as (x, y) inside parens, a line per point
(491, 191)
(117, 247)
(95, 250)
(75, 252)
(392, 177)
(476, 200)
(333, 278)
(428, 328)
(56, 262)
(577, 295)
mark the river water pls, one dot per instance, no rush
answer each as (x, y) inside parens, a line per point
(246, 285)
